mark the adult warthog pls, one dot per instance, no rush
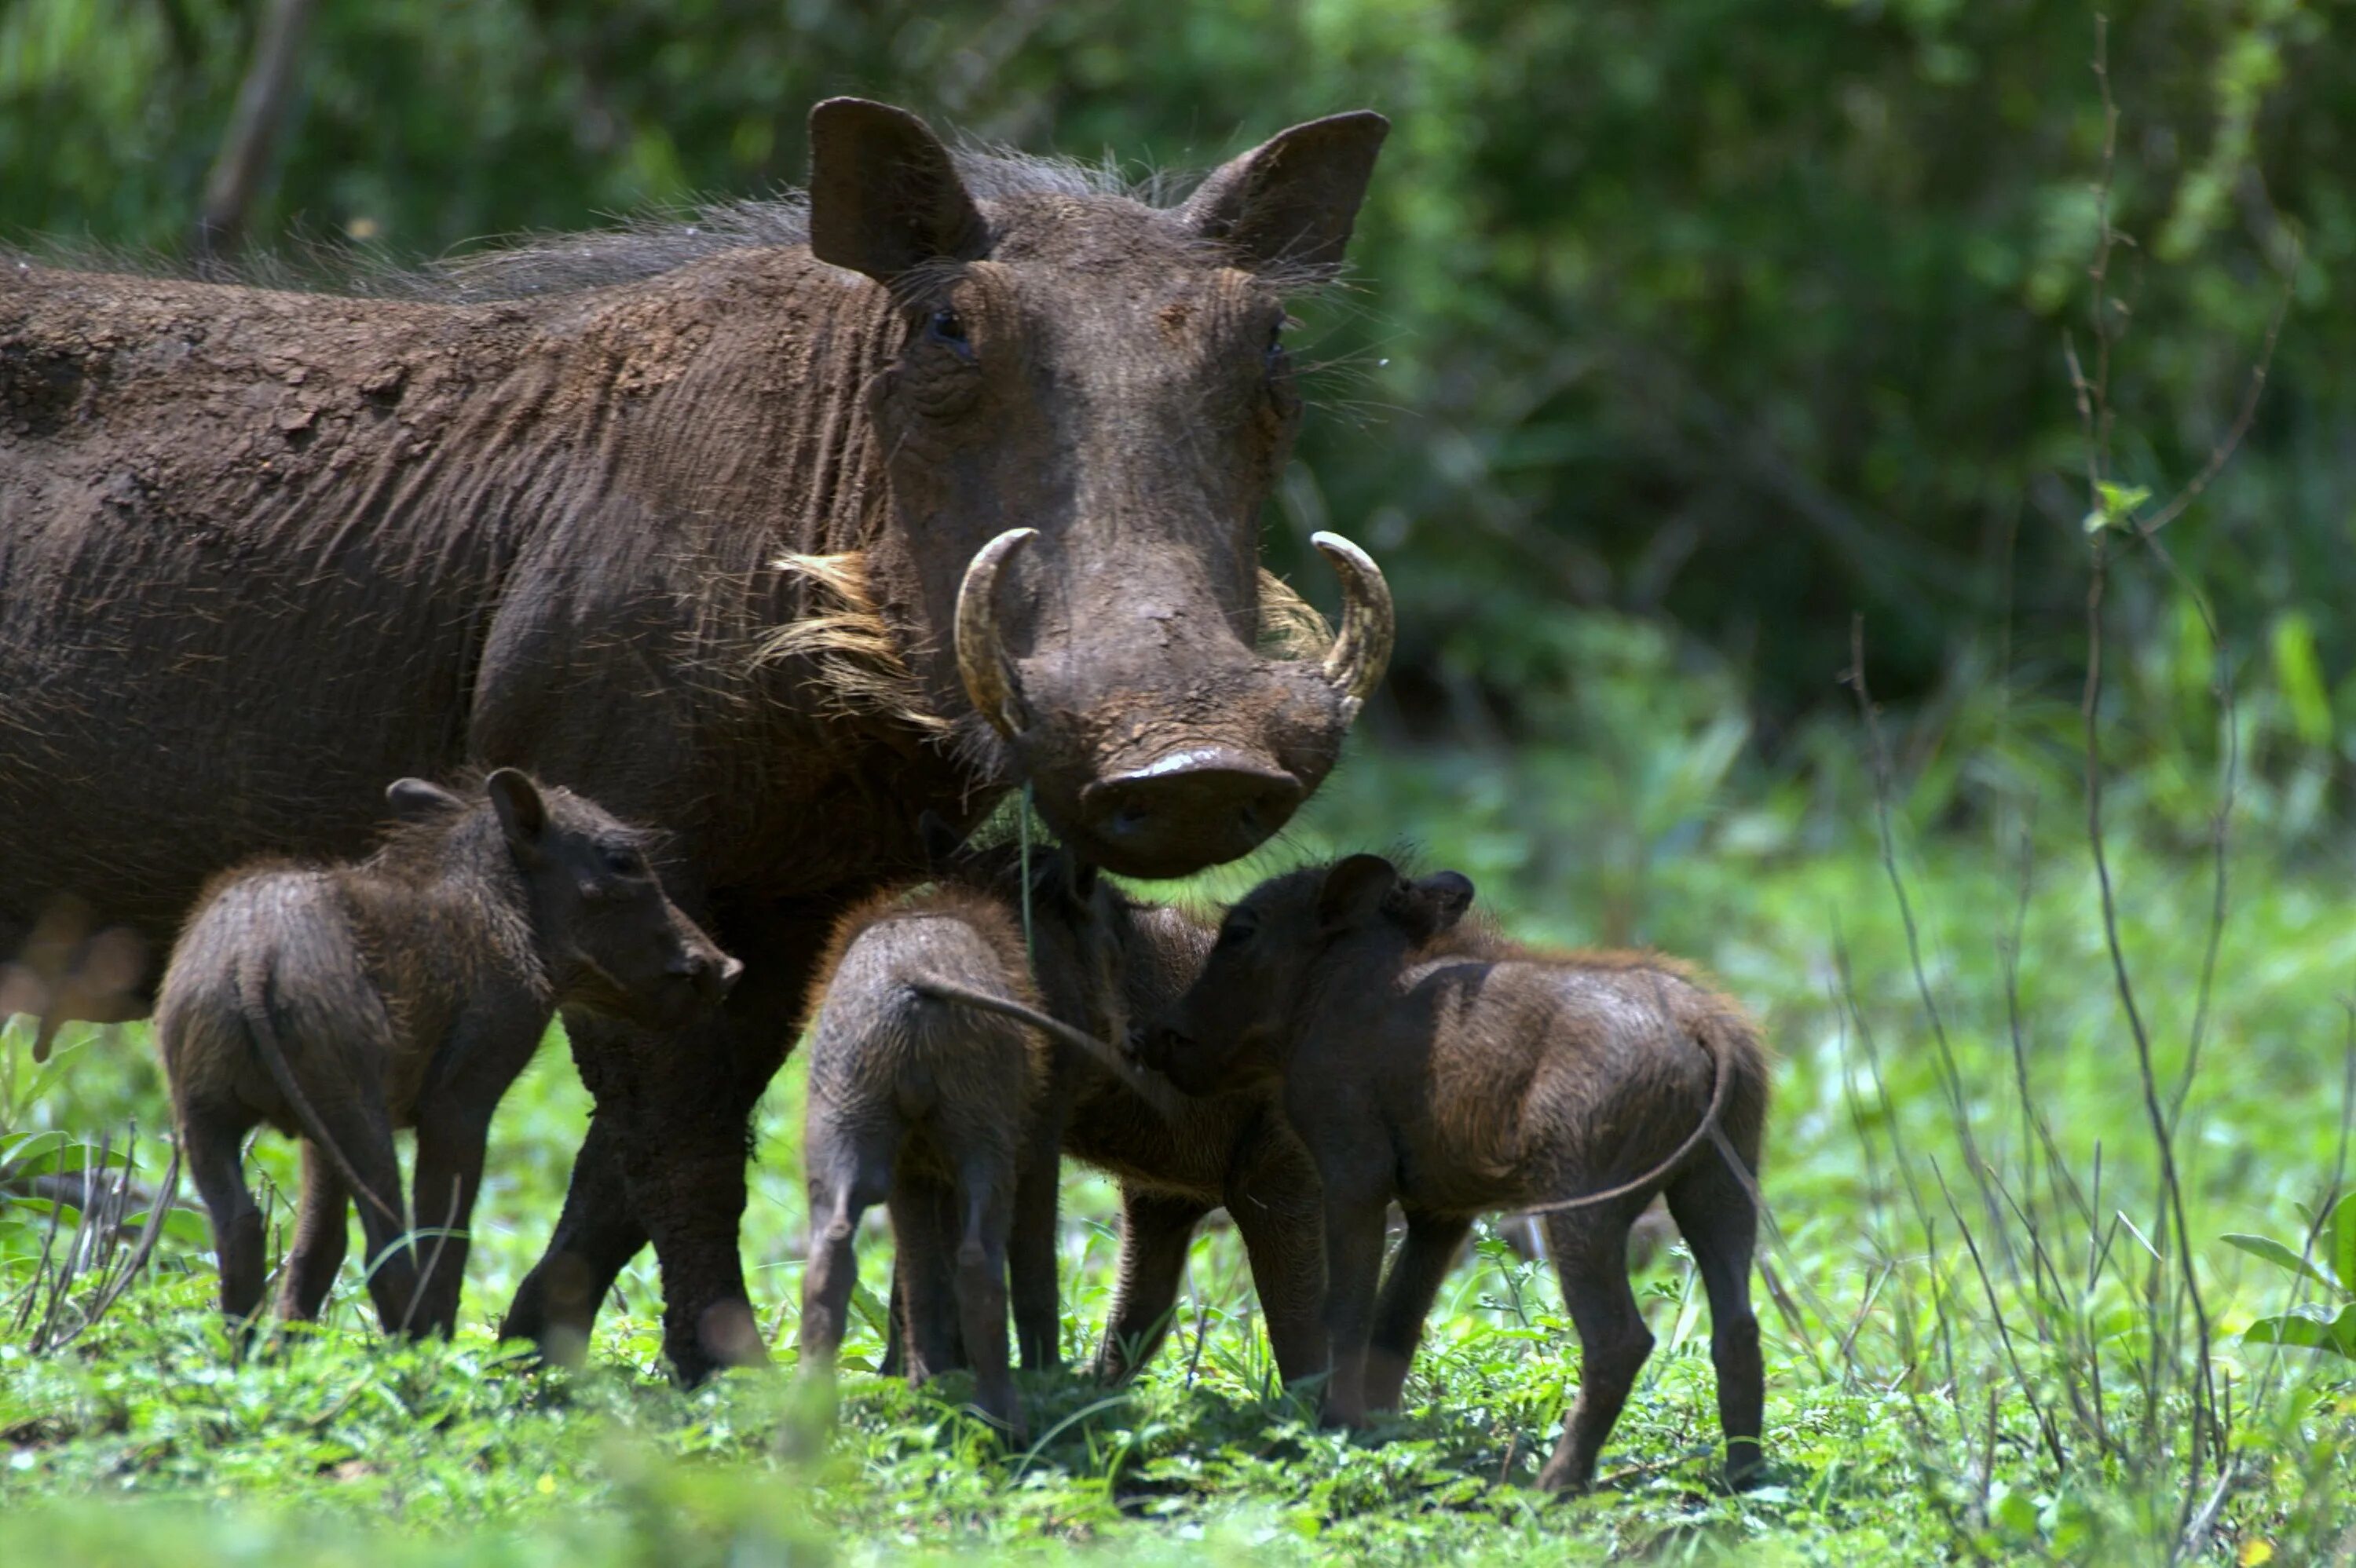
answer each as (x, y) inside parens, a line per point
(777, 528)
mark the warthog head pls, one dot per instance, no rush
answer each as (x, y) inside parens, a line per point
(1282, 944)
(1089, 408)
(610, 937)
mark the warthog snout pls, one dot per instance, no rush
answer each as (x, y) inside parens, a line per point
(1156, 740)
(1227, 801)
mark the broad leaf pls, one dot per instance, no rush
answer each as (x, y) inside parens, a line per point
(2339, 1241)
(69, 1155)
(871, 1307)
(2282, 1257)
(187, 1227)
(22, 1148)
(68, 1215)
(2308, 1332)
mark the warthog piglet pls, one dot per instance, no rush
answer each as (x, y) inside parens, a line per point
(1426, 1058)
(338, 1002)
(1176, 1158)
(925, 1095)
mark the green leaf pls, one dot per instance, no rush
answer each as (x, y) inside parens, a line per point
(2114, 505)
(871, 1307)
(2299, 673)
(2016, 1512)
(24, 1148)
(69, 1155)
(2340, 1242)
(188, 1228)
(2282, 1257)
(21, 1238)
(2307, 1330)
(68, 1215)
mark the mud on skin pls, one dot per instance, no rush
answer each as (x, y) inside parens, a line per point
(1176, 1158)
(1426, 1058)
(338, 1002)
(679, 516)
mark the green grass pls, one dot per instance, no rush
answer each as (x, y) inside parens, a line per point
(1915, 1407)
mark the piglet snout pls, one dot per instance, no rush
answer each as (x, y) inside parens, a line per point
(1153, 1045)
(709, 970)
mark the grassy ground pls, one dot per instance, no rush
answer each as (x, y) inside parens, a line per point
(1980, 1336)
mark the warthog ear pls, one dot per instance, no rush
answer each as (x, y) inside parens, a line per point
(523, 815)
(1354, 890)
(414, 800)
(1290, 201)
(885, 195)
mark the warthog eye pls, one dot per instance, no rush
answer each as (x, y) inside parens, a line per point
(624, 862)
(945, 328)
(1236, 931)
(1275, 355)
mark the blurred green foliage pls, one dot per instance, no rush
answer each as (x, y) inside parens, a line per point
(1748, 313)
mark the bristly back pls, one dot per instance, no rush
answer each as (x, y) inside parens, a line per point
(420, 848)
(531, 265)
(1479, 936)
(988, 915)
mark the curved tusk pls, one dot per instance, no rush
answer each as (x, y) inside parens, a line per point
(1354, 664)
(981, 659)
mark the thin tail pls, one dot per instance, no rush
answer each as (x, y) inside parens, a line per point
(1721, 1086)
(254, 1004)
(1147, 1086)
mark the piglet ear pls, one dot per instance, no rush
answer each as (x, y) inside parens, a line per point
(523, 815)
(1448, 894)
(1059, 873)
(1354, 890)
(940, 841)
(414, 800)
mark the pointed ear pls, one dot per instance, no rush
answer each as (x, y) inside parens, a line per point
(885, 195)
(414, 800)
(1291, 200)
(1354, 890)
(1051, 873)
(1058, 871)
(940, 841)
(523, 815)
(1447, 894)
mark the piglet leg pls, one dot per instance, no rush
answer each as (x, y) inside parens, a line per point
(1591, 1259)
